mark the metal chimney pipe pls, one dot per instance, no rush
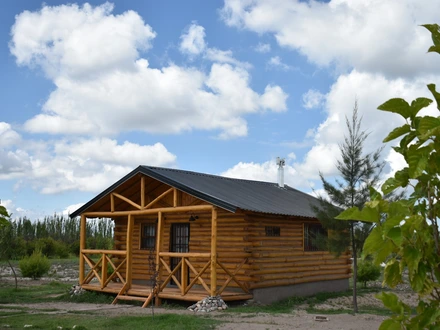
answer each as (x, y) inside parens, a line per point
(281, 162)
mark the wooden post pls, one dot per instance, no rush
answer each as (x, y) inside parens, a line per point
(143, 191)
(129, 264)
(82, 246)
(214, 252)
(158, 239)
(174, 197)
(103, 270)
(112, 203)
(184, 277)
(158, 300)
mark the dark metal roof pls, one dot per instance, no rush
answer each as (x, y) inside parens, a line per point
(227, 193)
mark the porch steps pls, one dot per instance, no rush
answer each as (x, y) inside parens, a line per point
(145, 299)
(137, 298)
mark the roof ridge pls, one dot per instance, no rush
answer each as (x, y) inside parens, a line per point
(208, 174)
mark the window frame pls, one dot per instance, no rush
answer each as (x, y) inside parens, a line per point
(308, 246)
(144, 238)
(272, 231)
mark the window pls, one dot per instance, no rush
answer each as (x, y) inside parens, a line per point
(148, 236)
(272, 231)
(311, 232)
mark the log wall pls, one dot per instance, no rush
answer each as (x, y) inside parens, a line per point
(281, 260)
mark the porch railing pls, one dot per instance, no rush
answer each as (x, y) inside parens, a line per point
(99, 269)
(186, 268)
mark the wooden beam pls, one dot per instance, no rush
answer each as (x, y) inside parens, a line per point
(214, 252)
(185, 254)
(82, 246)
(125, 199)
(175, 203)
(112, 203)
(130, 227)
(158, 241)
(158, 198)
(149, 211)
(114, 252)
(142, 191)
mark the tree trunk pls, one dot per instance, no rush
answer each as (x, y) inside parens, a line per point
(354, 254)
(15, 274)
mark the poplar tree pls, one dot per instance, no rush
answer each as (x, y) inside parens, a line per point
(358, 172)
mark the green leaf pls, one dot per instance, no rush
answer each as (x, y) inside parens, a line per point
(391, 274)
(434, 49)
(428, 126)
(367, 214)
(390, 324)
(436, 95)
(412, 257)
(378, 247)
(397, 105)
(417, 160)
(390, 185)
(397, 132)
(374, 241)
(395, 234)
(391, 301)
(418, 104)
(435, 33)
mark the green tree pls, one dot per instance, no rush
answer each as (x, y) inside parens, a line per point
(406, 233)
(358, 171)
(4, 216)
(7, 240)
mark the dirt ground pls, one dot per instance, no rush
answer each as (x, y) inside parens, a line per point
(297, 319)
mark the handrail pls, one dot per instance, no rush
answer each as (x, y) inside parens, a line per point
(185, 254)
(114, 252)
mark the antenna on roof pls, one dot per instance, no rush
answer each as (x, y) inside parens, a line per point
(281, 162)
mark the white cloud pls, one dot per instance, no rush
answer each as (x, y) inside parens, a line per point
(262, 48)
(268, 172)
(374, 36)
(274, 98)
(54, 166)
(370, 90)
(193, 40)
(78, 41)
(8, 136)
(71, 208)
(313, 99)
(277, 63)
(225, 56)
(105, 95)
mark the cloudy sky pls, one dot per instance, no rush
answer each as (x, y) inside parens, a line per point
(91, 90)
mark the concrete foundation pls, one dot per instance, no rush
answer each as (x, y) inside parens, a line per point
(270, 295)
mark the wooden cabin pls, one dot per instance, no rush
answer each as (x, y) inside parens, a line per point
(185, 235)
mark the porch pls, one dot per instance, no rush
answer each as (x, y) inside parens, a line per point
(188, 276)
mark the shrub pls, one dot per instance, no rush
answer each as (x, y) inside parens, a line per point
(367, 272)
(62, 250)
(34, 266)
(47, 246)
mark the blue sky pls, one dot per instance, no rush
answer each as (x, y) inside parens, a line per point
(91, 90)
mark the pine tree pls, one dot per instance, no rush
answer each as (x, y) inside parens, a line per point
(358, 172)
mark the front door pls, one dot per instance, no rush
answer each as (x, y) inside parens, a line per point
(179, 242)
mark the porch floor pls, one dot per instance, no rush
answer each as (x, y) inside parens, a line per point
(193, 295)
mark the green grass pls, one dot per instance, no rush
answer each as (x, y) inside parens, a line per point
(287, 305)
(85, 321)
(32, 294)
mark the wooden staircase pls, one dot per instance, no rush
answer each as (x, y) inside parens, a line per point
(123, 295)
